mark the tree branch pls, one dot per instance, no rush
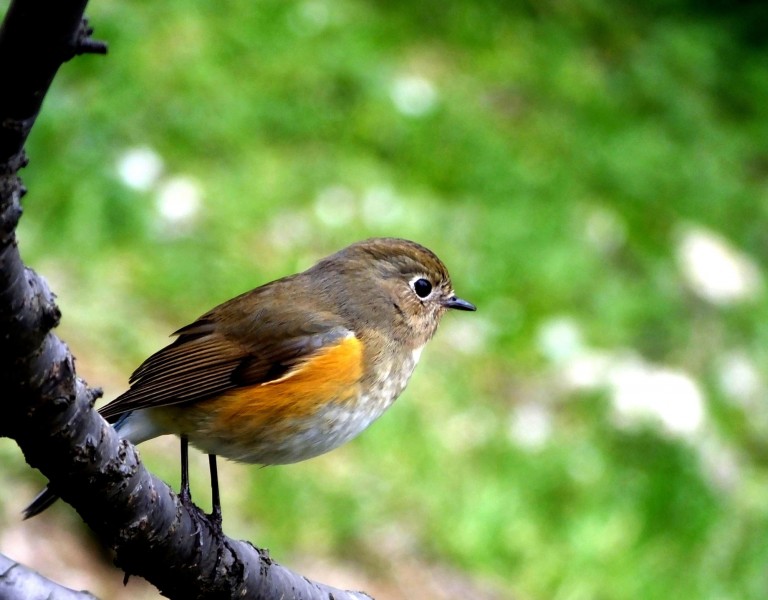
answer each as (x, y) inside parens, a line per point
(49, 411)
(17, 582)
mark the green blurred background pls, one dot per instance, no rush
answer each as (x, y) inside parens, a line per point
(594, 174)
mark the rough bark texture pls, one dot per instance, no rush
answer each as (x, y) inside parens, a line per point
(49, 411)
(20, 583)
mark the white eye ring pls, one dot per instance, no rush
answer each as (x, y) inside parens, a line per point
(421, 286)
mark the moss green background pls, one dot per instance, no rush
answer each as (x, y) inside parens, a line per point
(555, 156)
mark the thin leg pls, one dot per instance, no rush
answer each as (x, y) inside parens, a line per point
(215, 498)
(216, 514)
(185, 494)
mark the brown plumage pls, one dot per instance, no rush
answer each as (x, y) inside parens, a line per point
(298, 366)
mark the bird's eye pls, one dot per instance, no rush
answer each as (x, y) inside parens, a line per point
(422, 287)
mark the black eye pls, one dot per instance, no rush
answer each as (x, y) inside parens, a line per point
(422, 287)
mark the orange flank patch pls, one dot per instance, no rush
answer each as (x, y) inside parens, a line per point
(332, 374)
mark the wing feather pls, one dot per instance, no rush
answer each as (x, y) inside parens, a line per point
(208, 358)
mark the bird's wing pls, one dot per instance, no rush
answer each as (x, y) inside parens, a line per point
(209, 358)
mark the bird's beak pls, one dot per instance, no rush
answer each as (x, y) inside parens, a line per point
(458, 304)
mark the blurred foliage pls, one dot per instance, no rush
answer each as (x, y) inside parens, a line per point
(553, 154)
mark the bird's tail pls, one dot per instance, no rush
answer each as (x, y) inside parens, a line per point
(42, 501)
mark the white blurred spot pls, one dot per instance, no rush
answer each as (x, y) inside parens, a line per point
(559, 339)
(715, 270)
(641, 391)
(139, 168)
(381, 206)
(739, 378)
(719, 463)
(466, 336)
(335, 206)
(413, 96)
(531, 425)
(179, 200)
(605, 230)
(310, 17)
(289, 230)
(586, 370)
(468, 429)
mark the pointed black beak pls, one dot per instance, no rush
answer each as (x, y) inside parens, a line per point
(458, 304)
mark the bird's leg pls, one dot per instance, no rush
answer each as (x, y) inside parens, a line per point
(184, 493)
(216, 512)
(215, 498)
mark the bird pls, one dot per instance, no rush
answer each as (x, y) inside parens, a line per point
(291, 369)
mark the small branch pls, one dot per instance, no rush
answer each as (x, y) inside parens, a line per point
(17, 582)
(84, 44)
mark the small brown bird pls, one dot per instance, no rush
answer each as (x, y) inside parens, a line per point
(294, 368)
